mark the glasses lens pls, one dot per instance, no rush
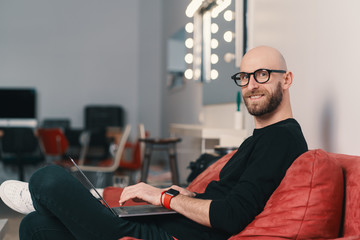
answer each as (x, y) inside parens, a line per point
(243, 79)
(261, 75)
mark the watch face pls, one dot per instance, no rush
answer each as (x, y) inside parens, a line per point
(172, 192)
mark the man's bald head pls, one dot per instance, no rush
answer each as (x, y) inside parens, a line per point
(269, 101)
(263, 57)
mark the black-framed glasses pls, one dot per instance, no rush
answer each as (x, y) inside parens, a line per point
(261, 75)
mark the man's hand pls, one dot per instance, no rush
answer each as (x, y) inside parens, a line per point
(183, 191)
(148, 193)
(141, 191)
(184, 203)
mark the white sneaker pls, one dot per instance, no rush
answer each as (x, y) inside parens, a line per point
(16, 195)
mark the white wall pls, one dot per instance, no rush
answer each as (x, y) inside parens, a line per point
(84, 52)
(320, 40)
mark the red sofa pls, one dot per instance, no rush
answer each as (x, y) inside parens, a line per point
(319, 198)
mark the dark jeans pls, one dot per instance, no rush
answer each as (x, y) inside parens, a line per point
(67, 210)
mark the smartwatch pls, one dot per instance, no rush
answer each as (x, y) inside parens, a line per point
(168, 195)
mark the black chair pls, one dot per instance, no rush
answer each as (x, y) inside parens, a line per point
(19, 146)
(62, 123)
(102, 116)
(97, 119)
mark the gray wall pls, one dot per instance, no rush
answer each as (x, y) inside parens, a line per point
(150, 53)
(79, 52)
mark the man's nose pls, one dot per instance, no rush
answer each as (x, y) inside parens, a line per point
(253, 84)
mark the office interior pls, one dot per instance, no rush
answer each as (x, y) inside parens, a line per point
(78, 53)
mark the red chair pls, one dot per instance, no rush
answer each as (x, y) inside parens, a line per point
(131, 159)
(135, 150)
(53, 143)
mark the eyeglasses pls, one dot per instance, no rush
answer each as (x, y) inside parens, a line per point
(261, 76)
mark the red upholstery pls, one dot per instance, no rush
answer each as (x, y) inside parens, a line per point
(310, 202)
(211, 173)
(351, 169)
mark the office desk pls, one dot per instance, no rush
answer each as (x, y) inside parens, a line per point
(197, 139)
(227, 137)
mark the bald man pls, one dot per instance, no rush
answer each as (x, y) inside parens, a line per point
(225, 208)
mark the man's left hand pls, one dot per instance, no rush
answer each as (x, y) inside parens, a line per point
(141, 191)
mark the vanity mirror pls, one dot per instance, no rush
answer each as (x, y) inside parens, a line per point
(211, 46)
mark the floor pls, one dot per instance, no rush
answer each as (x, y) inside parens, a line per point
(158, 175)
(14, 220)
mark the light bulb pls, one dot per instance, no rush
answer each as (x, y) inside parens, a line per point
(189, 58)
(188, 74)
(228, 15)
(189, 27)
(214, 28)
(214, 58)
(189, 43)
(228, 36)
(214, 43)
(228, 57)
(214, 74)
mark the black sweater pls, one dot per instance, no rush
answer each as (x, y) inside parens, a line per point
(246, 183)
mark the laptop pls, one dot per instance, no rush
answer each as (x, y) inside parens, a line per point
(125, 211)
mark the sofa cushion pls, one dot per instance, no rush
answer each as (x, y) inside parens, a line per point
(351, 169)
(306, 205)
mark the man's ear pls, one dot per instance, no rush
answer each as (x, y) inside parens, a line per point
(288, 80)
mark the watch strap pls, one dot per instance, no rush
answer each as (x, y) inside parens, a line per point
(168, 195)
(161, 197)
(167, 200)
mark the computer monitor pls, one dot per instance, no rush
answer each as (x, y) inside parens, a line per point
(17, 105)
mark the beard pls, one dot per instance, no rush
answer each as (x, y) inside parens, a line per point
(268, 105)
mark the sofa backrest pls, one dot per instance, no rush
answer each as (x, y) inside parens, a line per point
(336, 167)
(306, 205)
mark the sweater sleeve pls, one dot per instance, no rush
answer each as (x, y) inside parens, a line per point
(271, 156)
